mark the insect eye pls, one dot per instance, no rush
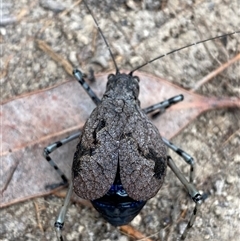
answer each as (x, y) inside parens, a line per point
(135, 86)
(136, 78)
(111, 80)
(111, 77)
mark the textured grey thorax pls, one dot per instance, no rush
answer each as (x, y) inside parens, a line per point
(119, 133)
(122, 87)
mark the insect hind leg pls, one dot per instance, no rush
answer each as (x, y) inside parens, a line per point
(162, 106)
(59, 223)
(195, 195)
(52, 147)
(187, 158)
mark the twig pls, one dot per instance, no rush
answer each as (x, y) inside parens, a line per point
(215, 73)
(70, 8)
(37, 209)
(132, 232)
(56, 57)
(4, 72)
(230, 137)
(11, 172)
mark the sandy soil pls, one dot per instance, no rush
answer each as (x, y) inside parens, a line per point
(137, 31)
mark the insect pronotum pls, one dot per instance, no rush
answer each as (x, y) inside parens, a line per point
(121, 158)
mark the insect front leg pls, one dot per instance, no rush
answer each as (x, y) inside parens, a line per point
(162, 106)
(79, 76)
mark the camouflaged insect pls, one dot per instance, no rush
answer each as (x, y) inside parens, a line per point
(119, 134)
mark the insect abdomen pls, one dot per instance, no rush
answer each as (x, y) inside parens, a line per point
(117, 207)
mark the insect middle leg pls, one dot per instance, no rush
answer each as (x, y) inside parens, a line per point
(52, 147)
(162, 106)
(47, 151)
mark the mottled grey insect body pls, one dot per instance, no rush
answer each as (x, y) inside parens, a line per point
(119, 134)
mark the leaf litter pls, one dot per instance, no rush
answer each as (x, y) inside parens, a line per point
(33, 144)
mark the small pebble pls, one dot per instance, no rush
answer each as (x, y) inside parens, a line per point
(73, 58)
(207, 237)
(219, 186)
(123, 238)
(51, 67)
(7, 20)
(136, 221)
(101, 60)
(3, 31)
(52, 5)
(80, 229)
(237, 159)
(72, 236)
(135, 61)
(218, 211)
(182, 227)
(36, 67)
(230, 179)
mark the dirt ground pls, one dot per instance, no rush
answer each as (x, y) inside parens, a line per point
(137, 31)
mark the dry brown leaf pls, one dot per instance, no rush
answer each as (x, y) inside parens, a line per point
(35, 120)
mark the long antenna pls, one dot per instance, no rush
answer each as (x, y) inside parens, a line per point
(187, 46)
(99, 29)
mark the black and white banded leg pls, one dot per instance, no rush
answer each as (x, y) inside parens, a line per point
(59, 223)
(195, 195)
(187, 158)
(162, 106)
(52, 147)
(47, 151)
(79, 76)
